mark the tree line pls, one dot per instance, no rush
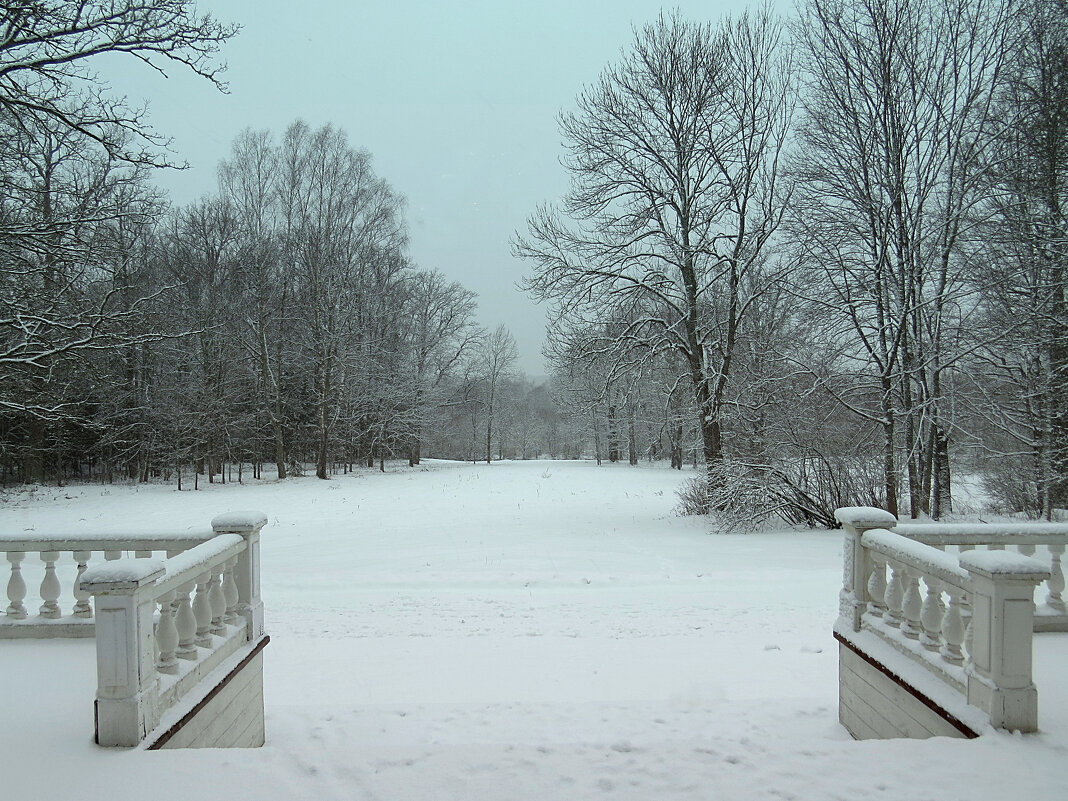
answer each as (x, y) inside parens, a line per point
(823, 257)
(276, 321)
(829, 250)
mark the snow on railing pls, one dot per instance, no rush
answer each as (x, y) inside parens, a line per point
(56, 563)
(148, 660)
(980, 642)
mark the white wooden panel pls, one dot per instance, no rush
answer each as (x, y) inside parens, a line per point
(874, 705)
(233, 718)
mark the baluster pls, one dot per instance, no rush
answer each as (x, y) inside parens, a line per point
(1055, 584)
(167, 634)
(217, 599)
(111, 556)
(81, 598)
(1027, 550)
(996, 546)
(877, 586)
(142, 554)
(16, 586)
(50, 588)
(932, 614)
(186, 624)
(969, 636)
(895, 593)
(202, 610)
(952, 628)
(911, 605)
(230, 592)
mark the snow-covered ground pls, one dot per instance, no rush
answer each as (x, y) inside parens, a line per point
(535, 630)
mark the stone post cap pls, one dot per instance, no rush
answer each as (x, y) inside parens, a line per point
(1004, 566)
(864, 517)
(239, 522)
(121, 575)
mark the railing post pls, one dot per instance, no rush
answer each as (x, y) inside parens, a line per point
(247, 573)
(127, 683)
(855, 520)
(999, 673)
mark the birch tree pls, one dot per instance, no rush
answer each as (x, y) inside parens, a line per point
(341, 224)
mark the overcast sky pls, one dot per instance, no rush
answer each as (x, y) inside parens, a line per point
(456, 101)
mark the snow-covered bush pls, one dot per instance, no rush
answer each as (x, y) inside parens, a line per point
(743, 496)
(1009, 482)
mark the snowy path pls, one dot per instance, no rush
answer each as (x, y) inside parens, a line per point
(522, 631)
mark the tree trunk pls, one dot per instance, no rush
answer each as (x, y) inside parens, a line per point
(596, 435)
(632, 436)
(941, 495)
(889, 466)
(613, 436)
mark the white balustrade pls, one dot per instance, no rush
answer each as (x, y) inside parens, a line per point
(54, 565)
(148, 659)
(980, 641)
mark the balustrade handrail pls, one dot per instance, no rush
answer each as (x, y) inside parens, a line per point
(186, 566)
(938, 564)
(117, 541)
(985, 533)
(163, 576)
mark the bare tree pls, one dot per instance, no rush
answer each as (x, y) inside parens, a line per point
(1019, 386)
(68, 144)
(676, 193)
(898, 119)
(496, 359)
(440, 332)
(47, 48)
(249, 182)
(343, 232)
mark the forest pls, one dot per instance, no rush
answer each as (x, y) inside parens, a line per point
(821, 257)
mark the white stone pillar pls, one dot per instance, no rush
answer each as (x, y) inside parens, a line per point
(127, 695)
(855, 520)
(999, 672)
(247, 573)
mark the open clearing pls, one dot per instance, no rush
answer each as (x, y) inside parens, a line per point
(530, 630)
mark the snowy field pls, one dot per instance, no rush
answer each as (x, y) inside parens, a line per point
(533, 630)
